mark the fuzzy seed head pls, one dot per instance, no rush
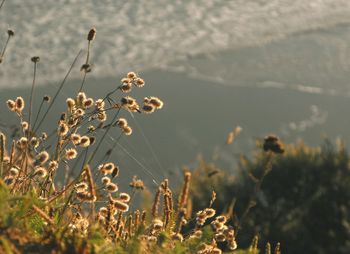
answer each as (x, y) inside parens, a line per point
(84, 141)
(105, 180)
(122, 122)
(13, 171)
(53, 165)
(88, 103)
(62, 129)
(75, 138)
(121, 206)
(71, 153)
(127, 130)
(40, 172)
(111, 187)
(125, 197)
(24, 125)
(92, 34)
(41, 158)
(11, 105)
(70, 104)
(131, 75)
(19, 104)
(148, 108)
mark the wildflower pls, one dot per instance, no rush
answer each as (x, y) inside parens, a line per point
(127, 130)
(81, 97)
(35, 59)
(53, 165)
(120, 206)
(75, 138)
(137, 183)
(139, 82)
(13, 171)
(125, 197)
(41, 158)
(46, 98)
(148, 108)
(79, 112)
(62, 129)
(40, 172)
(19, 104)
(111, 187)
(273, 143)
(126, 85)
(105, 180)
(11, 105)
(81, 187)
(10, 32)
(99, 104)
(156, 102)
(70, 104)
(102, 116)
(121, 122)
(23, 142)
(221, 219)
(220, 237)
(24, 125)
(131, 75)
(157, 224)
(209, 212)
(115, 171)
(92, 34)
(71, 154)
(88, 103)
(84, 141)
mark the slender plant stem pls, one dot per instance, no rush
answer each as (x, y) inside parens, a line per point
(4, 49)
(31, 97)
(58, 91)
(37, 115)
(2, 3)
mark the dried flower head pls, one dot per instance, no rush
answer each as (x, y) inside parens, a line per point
(156, 102)
(35, 59)
(71, 153)
(19, 104)
(99, 104)
(148, 108)
(92, 34)
(131, 75)
(75, 138)
(86, 68)
(13, 171)
(53, 165)
(62, 129)
(47, 98)
(88, 103)
(105, 180)
(126, 87)
(102, 116)
(111, 187)
(24, 125)
(10, 32)
(41, 158)
(139, 82)
(40, 172)
(81, 187)
(11, 105)
(23, 142)
(121, 206)
(273, 143)
(122, 122)
(70, 104)
(127, 130)
(125, 197)
(84, 141)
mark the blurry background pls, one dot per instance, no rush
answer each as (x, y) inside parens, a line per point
(268, 66)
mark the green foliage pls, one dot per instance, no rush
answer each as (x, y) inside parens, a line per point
(304, 202)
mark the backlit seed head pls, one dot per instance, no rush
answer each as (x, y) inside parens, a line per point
(139, 82)
(10, 32)
(131, 75)
(71, 154)
(127, 130)
(109, 166)
(111, 187)
(92, 140)
(86, 68)
(34, 142)
(209, 212)
(125, 197)
(75, 138)
(11, 105)
(79, 112)
(35, 59)
(43, 136)
(221, 219)
(148, 108)
(273, 143)
(40, 172)
(177, 237)
(24, 125)
(99, 104)
(46, 98)
(103, 211)
(13, 171)
(62, 129)
(102, 116)
(157, 224)
(128, 101)
(88, 103)
(126, 87)
(84, 141)
(105, 180)
(70, 104)
(19, 104)
(156, 102)
(220, 237)
(81, 187)
(121, 206)
(115, 171)
(92, 34)
(53, 165)
(81, 97)
(63, 116)
(72, 121)
(23, 142)
(41, 158)
(122, 122)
